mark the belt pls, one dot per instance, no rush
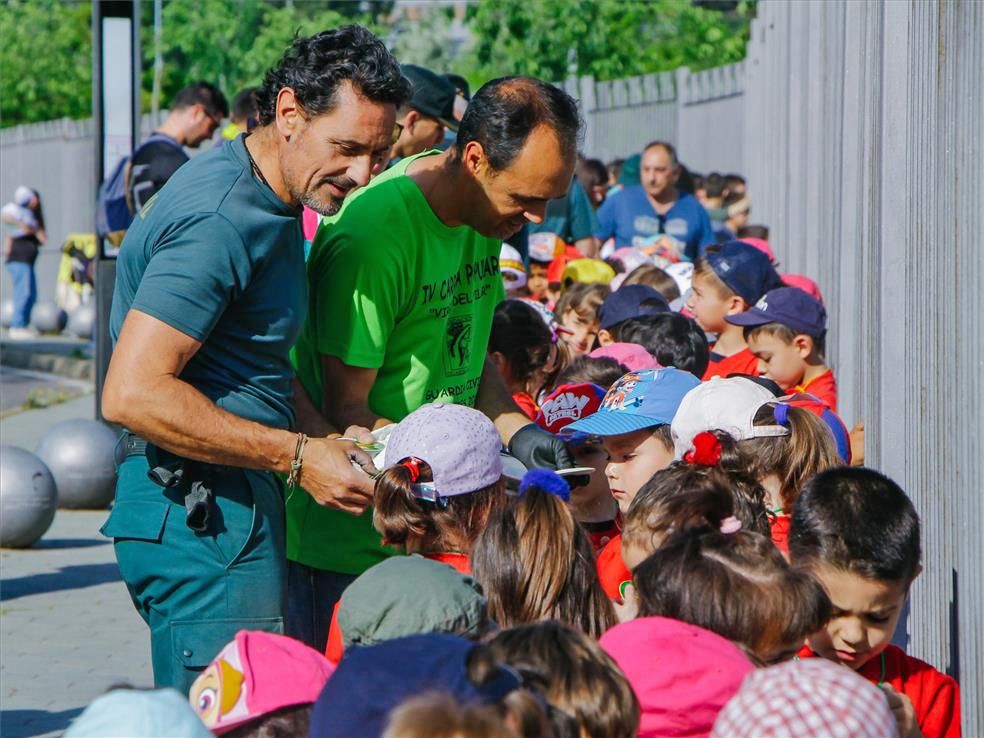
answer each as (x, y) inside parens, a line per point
(171, 471)
(134, 445)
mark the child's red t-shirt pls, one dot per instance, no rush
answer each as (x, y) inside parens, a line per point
(611, 569)
(526, 403)
(824, 388)
(602, 533)
(336, 646)
(780, 532)
(743, 362)
(935, 697)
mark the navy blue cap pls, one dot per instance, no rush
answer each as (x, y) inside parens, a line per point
(788, 306)
(372, 680)
(433, 95)
(631, 301)
(744, 269)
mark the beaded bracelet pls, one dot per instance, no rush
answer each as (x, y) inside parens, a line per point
(297, 462)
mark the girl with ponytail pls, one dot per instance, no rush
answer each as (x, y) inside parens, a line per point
(535, 562)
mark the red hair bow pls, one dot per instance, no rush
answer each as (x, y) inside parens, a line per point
(705, 451)
(413, 465)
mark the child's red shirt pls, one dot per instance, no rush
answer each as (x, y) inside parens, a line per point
(935, 696)
(602, 533)
(743, 362)
(824, 388)
(780, 532)
(611, 569)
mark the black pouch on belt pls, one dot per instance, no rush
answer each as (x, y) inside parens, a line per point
(170, 470)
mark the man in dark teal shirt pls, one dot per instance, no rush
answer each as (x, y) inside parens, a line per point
(210, 296)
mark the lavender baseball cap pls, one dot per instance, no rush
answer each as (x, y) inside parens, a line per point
(460, 445)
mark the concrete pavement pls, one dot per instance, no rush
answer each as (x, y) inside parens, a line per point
(68, 630)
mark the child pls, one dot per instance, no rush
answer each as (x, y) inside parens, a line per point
(602, 371)
(592, 504)
(688, 495)
(543, 248)
(781, 700)
(582, 680)
(534, 561)
(442, 481)
(682, 675)
(525, 352)
(729, 279)
(407, 595)
(513, 272)
(627, 302)
(260, 684)
(857, 532)
(672, 339)
(786, 331)
(633, 423)
(734, 583)
(659, 279)
(780, 445)
(577, 312)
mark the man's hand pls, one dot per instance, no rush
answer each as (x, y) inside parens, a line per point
(538, 449)
(903, 711)
(329, 477)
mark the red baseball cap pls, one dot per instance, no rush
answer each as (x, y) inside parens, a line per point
(568, 403)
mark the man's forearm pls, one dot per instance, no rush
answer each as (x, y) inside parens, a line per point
(174, 415)
(309, 420)
(498, 405)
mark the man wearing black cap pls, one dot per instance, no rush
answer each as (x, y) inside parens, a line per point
(422, 120)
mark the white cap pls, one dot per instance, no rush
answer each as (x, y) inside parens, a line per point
(511, 265)
(682, 273)
(23, 195)
(729, 405)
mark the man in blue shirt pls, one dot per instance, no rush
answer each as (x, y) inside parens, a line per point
(210, 296)
(651, 213)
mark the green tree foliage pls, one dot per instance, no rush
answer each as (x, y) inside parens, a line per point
(45, 61)
(608, 39)
(46, 52)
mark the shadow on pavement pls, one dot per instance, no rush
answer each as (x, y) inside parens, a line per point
(70, 543)
(26, 723)
(70, 577)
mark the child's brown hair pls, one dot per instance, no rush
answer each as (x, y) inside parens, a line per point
(405, 520)
(735, 584)
(785, 334)
(685, 496)
(807, 450)
(536, 563)
(659, 280)
(583, 299)
(581, 679)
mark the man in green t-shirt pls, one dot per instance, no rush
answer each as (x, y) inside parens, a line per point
(402, 286)
(209, 298)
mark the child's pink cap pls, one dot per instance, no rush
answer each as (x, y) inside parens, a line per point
(683, 675)
(802, 282)
(762, 245)
(254, 675)
(630, 355)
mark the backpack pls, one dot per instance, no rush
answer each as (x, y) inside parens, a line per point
(113, 214)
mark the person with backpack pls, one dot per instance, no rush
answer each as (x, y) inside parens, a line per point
(196, 112)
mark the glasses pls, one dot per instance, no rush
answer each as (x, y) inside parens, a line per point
(397, 132)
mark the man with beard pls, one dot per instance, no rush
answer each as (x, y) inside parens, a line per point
(210, 297)
(403, 285)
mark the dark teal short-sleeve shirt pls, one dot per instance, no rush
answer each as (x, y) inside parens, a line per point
(218, 256)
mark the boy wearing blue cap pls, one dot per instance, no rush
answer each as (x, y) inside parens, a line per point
(634, 425)
(728, 280)
(786, 332)
(625, 303)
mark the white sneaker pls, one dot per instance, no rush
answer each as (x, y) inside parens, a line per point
(22, 334)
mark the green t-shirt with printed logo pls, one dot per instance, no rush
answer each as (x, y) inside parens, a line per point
(390, 288)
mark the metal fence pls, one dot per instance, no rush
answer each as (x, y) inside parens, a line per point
(699, 112)
(864, 148)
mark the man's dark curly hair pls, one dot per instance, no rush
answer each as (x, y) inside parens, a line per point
(314, 67)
